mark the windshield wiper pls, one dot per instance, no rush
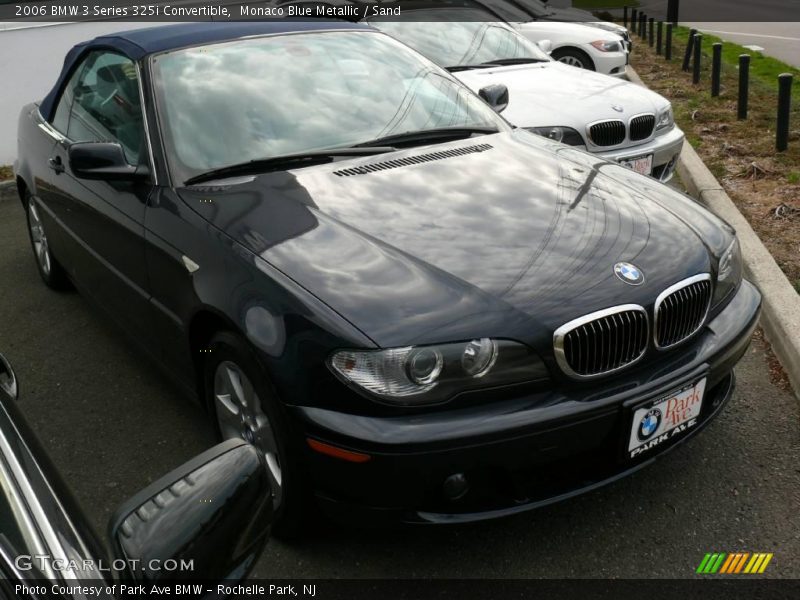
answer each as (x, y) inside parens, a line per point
(429, 135)
(275, 163)
(503, 62)
(457, 68)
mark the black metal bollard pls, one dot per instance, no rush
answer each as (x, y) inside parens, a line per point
(744, 85)
(625, 15)
(784, 110)
(634, 20)
(687, 58)
(668, 47)
(642, 17)
(698, 56)
(643, 26)
(651, 31)
(673, 8)
(716, 70)
(660, 38)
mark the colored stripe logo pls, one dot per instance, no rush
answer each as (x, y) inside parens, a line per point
(734, 563)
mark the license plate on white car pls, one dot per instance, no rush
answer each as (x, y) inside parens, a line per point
(642, 165)
(658, 421)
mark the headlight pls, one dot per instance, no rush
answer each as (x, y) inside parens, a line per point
(607, 45)
(666, 118)
(431, 374)
(565, 135)
(729, 272)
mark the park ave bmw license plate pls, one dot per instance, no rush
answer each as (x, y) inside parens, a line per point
(659, 420)
(642, 165)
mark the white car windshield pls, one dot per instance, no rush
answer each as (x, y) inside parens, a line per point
(458, 43)
(260, 98)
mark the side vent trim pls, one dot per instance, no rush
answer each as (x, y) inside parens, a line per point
(412, 160)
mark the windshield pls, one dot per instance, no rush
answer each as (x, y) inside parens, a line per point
(535, 8)
(461, 42)
(512, 11)
(259, 98)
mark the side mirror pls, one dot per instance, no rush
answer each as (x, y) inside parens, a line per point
(102, 160)
(8, 380)
(496, 96)
(208, 519)
(545, 46)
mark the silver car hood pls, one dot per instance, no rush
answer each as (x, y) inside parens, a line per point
(553, 94)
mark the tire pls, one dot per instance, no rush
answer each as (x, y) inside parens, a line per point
(264, 424)
(574, 57)
(50, 270)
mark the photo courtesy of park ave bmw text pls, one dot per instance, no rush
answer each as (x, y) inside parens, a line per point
(404, 298)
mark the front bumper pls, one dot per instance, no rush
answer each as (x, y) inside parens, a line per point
(520, 454)
(610, 63)
(665, 148)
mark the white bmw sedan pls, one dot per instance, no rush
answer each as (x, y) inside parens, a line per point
(613, 118)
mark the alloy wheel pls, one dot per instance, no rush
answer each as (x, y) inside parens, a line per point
(239, 415)
(40, 245)
(571, 61)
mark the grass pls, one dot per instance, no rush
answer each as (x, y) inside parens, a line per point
(764, 70)
(6, 173)
(600, 4)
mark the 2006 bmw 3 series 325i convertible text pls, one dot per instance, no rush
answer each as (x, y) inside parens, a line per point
(417, 312)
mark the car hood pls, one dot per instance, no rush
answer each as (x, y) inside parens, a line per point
(550, 94)
(505, 236)
(558, 31)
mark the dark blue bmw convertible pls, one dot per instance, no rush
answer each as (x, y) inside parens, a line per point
(414, 310)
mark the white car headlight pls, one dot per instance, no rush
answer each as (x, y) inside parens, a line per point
(666, 119)
(565, 135)
(432, 374)
(607, 45)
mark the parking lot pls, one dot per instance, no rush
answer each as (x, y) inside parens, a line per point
(112, 423)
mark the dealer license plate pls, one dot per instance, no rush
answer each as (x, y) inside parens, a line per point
(642, 165)
(660, 420)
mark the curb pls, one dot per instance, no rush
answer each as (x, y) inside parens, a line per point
(780, 317)
(6, 185)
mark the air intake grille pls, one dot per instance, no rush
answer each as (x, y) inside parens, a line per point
(412, 160)
(681, 310)
(607, 133)
(642, 127)
(602, 342)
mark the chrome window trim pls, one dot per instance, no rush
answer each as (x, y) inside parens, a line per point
(560, 334)
(50, 130)
(671, 290)
(146, 123)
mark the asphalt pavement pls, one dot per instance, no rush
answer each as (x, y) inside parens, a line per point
(112, 424)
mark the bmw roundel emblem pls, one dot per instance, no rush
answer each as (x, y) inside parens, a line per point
(630, 274)
(649, 425)
(618, 108)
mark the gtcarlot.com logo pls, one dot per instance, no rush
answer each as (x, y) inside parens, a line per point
(734, 563)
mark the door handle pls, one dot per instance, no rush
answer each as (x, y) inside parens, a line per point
(56, 164)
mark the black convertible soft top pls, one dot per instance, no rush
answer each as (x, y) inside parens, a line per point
(138, 43)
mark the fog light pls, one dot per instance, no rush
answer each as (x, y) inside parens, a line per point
(455, 487)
